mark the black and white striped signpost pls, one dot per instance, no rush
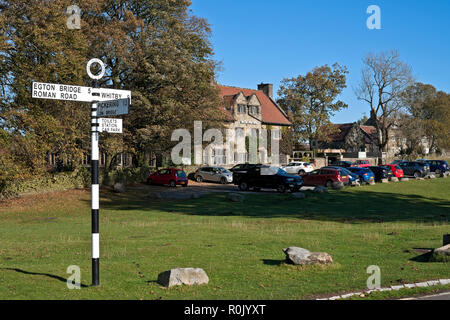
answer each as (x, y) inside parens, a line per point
(105, 102)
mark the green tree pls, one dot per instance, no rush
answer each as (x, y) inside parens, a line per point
(311, 100)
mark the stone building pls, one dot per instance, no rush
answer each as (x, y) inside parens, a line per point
(249, 113)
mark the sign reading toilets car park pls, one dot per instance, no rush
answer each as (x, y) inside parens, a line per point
(104, 102)
(110, 125)
(113, 107)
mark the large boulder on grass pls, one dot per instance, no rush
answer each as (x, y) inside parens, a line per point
(404, 179)
(301, 256)
(441, 254)
(384, 181)
(394, 179)
(183, 276)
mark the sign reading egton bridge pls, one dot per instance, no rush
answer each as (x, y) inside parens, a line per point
(76, 93)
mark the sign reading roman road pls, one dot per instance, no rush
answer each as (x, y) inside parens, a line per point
(76, 93)
(113, 107)
(110, 125)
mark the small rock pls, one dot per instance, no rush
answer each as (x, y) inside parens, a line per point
(384, 181)
(443, 175)
(431, 176)
(235, 197)
(119, 188)
(404, 179)
(320, 189)
(183, 276)
(394, 179)
(155, 195)
(337, 186)
(299, 195)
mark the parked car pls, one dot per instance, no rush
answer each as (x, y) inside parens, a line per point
(380, 173)
(170, 176)
(414, 168)
(214, 174)
(437, 166)
(362, 163)
(343, 164)
(396, 170)
(298, 168)
(352, 177)
(260, 177)
(242, 169)
(365, 174)
(325, 177)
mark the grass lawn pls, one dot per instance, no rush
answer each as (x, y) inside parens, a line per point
(238, 245)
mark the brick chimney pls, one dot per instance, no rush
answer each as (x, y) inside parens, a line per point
(267, 88)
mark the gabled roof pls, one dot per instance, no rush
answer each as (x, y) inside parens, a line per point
(271, 113)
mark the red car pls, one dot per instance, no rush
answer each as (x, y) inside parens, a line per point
(172, 177)
(396, 169)
(363, 163)
(325, 177)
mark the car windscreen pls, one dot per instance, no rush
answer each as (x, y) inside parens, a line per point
(181, 174)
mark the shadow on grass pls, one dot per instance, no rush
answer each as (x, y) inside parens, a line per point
(347, 206)
(41, 274)
(269, 262)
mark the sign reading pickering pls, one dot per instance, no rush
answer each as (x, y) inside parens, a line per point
(113, 108)
(56, 91)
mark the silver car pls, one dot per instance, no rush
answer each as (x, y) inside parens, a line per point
(214, 174)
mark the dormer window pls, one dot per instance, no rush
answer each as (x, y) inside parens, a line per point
(241, 108)
(253, 110)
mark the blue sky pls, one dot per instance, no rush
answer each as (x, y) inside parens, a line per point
(269, 40)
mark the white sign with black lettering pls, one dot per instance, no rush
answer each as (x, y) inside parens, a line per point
(65, 92)
(113, 107)
(110, 125)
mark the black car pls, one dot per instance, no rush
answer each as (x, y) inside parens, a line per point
(380, 173)
(343, 164)
(415, 168)
(242, 169)
(260, 177)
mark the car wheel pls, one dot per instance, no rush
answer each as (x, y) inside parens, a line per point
(149, 182)
(223, 180)
(199, 179)
(329, 184)
(417, 174)
(301, 172)
(438, 171)
(243, 186)
(281, 188)
(172, 184)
